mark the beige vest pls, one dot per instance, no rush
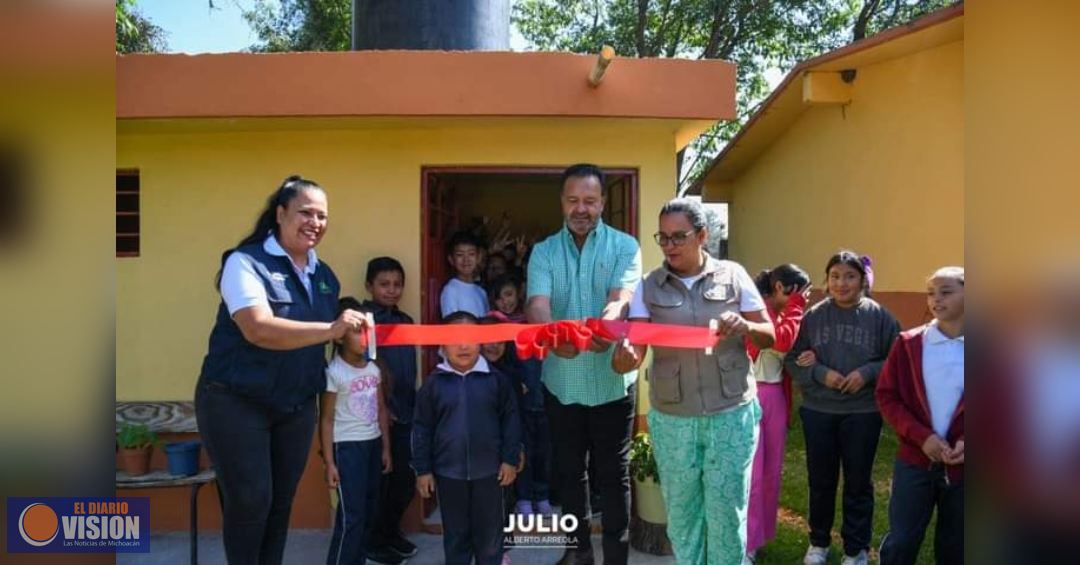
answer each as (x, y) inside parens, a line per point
(686, 382)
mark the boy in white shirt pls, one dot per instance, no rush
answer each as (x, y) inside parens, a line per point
(461, 293)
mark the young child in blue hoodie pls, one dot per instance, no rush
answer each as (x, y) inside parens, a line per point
(532, 485)
(385, 282)
(466, 444)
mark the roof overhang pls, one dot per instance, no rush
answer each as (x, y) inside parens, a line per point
(419, 83)
(817, 81)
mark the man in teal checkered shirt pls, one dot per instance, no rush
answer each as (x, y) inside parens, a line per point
(587, 270)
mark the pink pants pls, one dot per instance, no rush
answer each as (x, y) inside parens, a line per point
(768, 465)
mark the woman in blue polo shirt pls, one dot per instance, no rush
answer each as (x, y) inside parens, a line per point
(255, 399)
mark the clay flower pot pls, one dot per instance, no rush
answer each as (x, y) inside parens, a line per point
(136, 461)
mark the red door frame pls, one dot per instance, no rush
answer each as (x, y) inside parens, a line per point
(427, 184)
(414, 516)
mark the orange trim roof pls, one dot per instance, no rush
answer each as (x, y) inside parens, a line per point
(784, 105)
(419, 83)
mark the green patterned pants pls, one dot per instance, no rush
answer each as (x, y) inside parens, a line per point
(704, 464)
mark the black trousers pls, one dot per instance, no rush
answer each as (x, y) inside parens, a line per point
(600, 433)
(259, 454)
(398, 487)
(835, 442)
(472, 520)
(532, 482)
(915, 493)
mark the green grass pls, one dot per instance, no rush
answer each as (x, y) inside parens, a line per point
(792, 534)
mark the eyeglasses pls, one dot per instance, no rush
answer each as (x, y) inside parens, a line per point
(677, 239)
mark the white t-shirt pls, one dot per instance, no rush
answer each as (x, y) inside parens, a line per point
(356, 413)
(749, 298)
(459, 295)
(242, 288)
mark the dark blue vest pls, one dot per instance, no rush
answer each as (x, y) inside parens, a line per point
(280, 379)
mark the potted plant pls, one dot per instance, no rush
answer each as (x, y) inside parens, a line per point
(647, 494)
(135, 442)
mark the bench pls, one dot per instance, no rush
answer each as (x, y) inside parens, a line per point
(165, 417)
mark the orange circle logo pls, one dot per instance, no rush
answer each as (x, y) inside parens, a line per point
(38, 524)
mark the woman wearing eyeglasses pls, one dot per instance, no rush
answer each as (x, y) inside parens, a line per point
(704, 415)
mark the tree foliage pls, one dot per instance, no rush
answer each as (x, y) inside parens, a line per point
(876, 16)
(301, 25)
(754, 34)
(135, 33)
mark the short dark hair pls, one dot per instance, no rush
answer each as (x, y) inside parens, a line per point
(382, 265)
(460, 317)
(584, 170)
(463, 238)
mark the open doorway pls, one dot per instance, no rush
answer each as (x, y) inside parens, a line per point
(526, 199)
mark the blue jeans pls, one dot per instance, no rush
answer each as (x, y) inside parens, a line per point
(915, 493)
(359, 465)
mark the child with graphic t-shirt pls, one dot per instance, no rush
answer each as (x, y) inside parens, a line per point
(354, 433)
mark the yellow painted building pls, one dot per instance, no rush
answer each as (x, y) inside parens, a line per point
(210, 137)
(859, 148)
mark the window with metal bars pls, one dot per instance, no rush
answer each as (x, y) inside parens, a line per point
(127, 213)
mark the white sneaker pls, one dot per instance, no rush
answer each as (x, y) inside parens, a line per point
(860, 559)
(816, 555)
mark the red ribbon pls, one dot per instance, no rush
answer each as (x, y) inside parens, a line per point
(537, 340)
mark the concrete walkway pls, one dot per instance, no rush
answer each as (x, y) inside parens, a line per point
(310, 546)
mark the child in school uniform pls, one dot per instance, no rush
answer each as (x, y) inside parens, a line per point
(533, 484)
(385, 282)
(354, 432)
(466, 446)
(921, 395)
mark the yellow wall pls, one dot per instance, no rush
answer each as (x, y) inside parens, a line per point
(202, 188)
(883, 175)
(1022, 122)
(56, 141)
